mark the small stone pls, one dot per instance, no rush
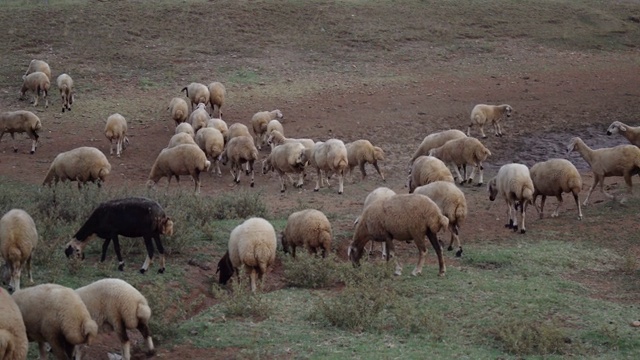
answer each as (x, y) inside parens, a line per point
(635, 323)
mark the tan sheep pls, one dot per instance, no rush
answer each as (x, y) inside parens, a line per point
(221, 125)
(197, 93)
(38, 83)
(276, 138)
(237, 129)
(185, 127)
(361, 152)
(38, 65)
(179, 110)
(435, 140)
(56, 315)
(18, 240)
(287, 158)
(81, 164)
(331, 157)
(185, 159)
(240, 150)
(553, 178)
(308, 228)
(199, 117)
(211, 141)
(514, 184)
(217, 94)
(482, 114)
(631, 133)
(259, 122)
(377, 194)
(13, 334)
(116, 129)
(180, 139)
(427, 169)
(274, 125)
(462, 152)
(65, 85)
(21, 121)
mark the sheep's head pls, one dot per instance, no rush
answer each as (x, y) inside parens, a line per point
(224, 159)
(615, 127)
(507, 110)
(200, 106)
(5, 274)
(279, 114)
(166, 226)
(573, 144)
(74, 249)
(354, 254)
(225, 268)
(493, 189)
(266, 166)
(284, 242)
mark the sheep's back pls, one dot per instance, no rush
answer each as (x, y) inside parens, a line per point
(427, 169)
(555, 176)
(378, 194)
(436, 140)
(309, 226)
(11, 321)
(252, 242)
(449, 198)
(18, 231)
(113, 301)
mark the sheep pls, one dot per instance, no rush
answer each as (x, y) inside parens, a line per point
(482, 114)
(331, 157)
(217, 94)
(286, 159)
(276, 138)
(199, 118)
(38, 65)
(185, 159)
(240, 150)
(361, 152)
(211, 141)
(65, 85)
(221, 125)
(308, 228)
(179, 110)
(435, 140)
(253, 245)
(453, 205)
(402, 217)
(21, 121)
(38, 83)
(197, 93)
(427, 169)
(631, 133)
(130, 217)
(55, 314)
(237, 129)
(514, 183)
(375, 195)
(18, 240)
(116, 129)
(180, 139)
(274, 125)
(621, 160)
(553, 178)
(81, 164)
(185, 127)
(13, 334)
(462, 152)
(259, 122)
(117, 306)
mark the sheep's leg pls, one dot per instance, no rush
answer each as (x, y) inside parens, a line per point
(596, 180)
(555, 213)
(110, 147)
(473, 174)
(362, 170)
(116, 247)
(34, 143)
(293, 251)
(35, 98)
(482, 131)
(453, 229)
(13, 143)
(318, 180)
(196, 178)
(627, 179)
(433, 239)
(149, 245)
(384, 250)
(283, 185)
(253, 173)
(461, 179)
(120, 146)
(42, 349)
(77, 353)
(469, 129)
(253, 275)
(544, 198)
(105, 246)
(523, 214)
(422, 252)
(217, 162)
(391, 254)
(511, 224)
(158, 242)
(481, 171)
(375, 165)
(29, 269)
(340, 181)
(577, 200)
(143, 327)
(500, 129)
(16, 272)
(46, 99)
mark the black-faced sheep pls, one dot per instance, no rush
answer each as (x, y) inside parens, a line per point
(21, 121)
(38, 65)
(211, 141)
(13, 334)
(65, 85)
(287, 158)
(461, 152)
(197, 93)
(514, 184)
(481, 114)
(435, 140)
(130, 217)
(18, 240)
(361, 152)
(259, 122)
(631, 133)
(240, 150)
(217, 94)
(185, 159)
(179, 110)
(331, 157)
(38, 83)
(83, 164)
(308, 228)
(427, 169)
(116, 129)
(553, 178)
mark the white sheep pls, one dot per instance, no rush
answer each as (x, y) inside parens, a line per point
(116, 129)
(427, 169)
(185, 127)
(81, 164)
(375, 195)
(117, 306)
(289, 158)
(13, 334)
(402, 217)
(631, 133)
(197, 93)
(21, 121)
(274, 125)
(276, 138)
(461, 152)
(179, 110)
(180, 139)
(514, 184)
(56, 315)
(259, 122)
(65, 85)
(185, 159)
(38, 83)
(199, 117)
(240, 150)
(553, 178)
(18, 240)
(308, 228)
(361, 152)
(237, 129)
(211, 141)
(38, 65)
(252, 244)
(435, 140)
(453, 205)
(481, 114)
(217, 94)
(331, 157)
(221, 125)
(621, 160)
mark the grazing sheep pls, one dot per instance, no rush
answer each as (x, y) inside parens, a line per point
(481, 114)
(553, 178)
(116, 129)
(514, 183)
(630, 132)
(252, 244)
(38, 65)
(13, 334)
(117, 306)
(199, 117)
(237, 129)
(375, 195)
(21, 121)
(81, 164)
(427, 169)
(361, 152)
(65, 85)
(276, 138)
(56, 315)
(179, 110)
(38, 83)
(180, 139)
(462, 152)
(197, 93)
(130, 217)
(331, 157)
(274, 125)
(435, 140)
(185, 127)
(217, 94)
(286, 159)
(453, 205)
(309, 228)
(259, 122)
(221, 125)
(622, 160)
(185, 159)
(211, 141)
(403, 217)
(240, 150)
(18, 240)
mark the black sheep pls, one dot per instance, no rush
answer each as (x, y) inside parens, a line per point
(130, 217)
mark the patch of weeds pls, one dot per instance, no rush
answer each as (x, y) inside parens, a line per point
(409, 319)
(521, 337)
(243, 76)
(629, 263)
(241, 302)
(146, 84)
(167, 304)
(239, 206)
(312, 272)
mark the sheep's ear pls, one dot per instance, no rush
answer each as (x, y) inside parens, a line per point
(622, 127)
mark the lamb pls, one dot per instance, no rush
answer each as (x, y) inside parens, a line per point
(211, 141)
(179, 110)
(117, 306)
(514, 184)
(481, 114)
(274, 125)
(427, 169)
(185, 127)
(402, 217)
(435, 140)
(199, 117)
(240, 150)
(81, 164)
(361, 152)
(462, 152)
(185, 159)
(259, 122)
(631, 133)
(180, 139)
(130, 217)
(331, 157)
(308, 228)
(453, 205)
(276, 138)
(56, 315)
(286, 159)
(21, 121)
(38, 83)
(13, 334)
(375, 195)
(621, 160)
(217, 94)
(221, 125)
(65, 85)
(116, 129)
(18, 240)
(253, 245)
(553, 178)
(237, 129)
(38, 65)
(197, 93)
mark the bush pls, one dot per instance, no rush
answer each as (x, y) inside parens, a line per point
(241, 302)
(520, 337)
(307, 271)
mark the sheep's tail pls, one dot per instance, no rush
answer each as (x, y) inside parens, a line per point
(527, 194)
(143, 312)
(186, 91)
(263, 256)
(460, 213)
(37, 126)
(482, 153)
(342, 163)
(443, 221)
(89, 330)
